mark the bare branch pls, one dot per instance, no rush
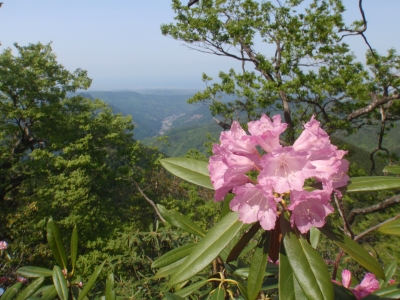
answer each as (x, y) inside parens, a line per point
(150, 201)
(373, 208)
(357, 237)
(346, 225)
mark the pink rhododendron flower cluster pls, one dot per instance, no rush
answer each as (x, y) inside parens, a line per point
(368, 285)
(3, 245)
(280, 172)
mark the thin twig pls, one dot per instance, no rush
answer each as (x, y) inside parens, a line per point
(346, 225)
(357, 237)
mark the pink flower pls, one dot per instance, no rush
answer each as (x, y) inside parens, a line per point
(21, 279)
(368, 285)
(259, 183)
(3, 245)
(309, 209)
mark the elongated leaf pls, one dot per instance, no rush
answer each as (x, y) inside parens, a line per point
(353, 249)
(173, 256)
(50, 294)
(170, 296)
(314, 237)
(389, 272)
(191, 288)
(243, 290)
(392, 169)
(30, 289)
(218, 294)
(208, 248)
(225, 207)
(270, 284)
(74, 247)
(56, 245)
(34, 272)
(110, 292)
(258, 266)
(392, 227)
(170, 269)
(286, 277)
(372, 183)
(88, 286)
(244, 272)
(177, 219)
(189, 169)
(241, 244)
(341, 293)
(11, 291)
(307, 265)
(391, 292)
(60, 283)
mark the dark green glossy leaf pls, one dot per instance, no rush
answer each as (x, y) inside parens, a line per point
(191, 288)
(258, 266)
(110, 292)
(244, 272)
(170, 296)
(30, 289)
(11, 291)
(353, 249)
(55, 242)
(218, 294)
(308, 267)
(177, 219)
(92, 280)
(392, 227)
(372, 183)
(50, 294)
(216, 239)
(391, 292)
(270, 284)
(243, 290)
(286, 277)
(34, 272)
(389, 272)
(341, 293)
(392, 169)
(170, 269)
(74, 247)
(173, 256)
(192, 170)
(241, 244)
(60, 283)
(225, 207)
(314, 237)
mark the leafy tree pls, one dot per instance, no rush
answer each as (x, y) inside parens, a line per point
(301, 64)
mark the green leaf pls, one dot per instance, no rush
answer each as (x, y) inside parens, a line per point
(286, 277)
(216, 239)
(241, 244)
(244, 272)
(243, 290)
(372, 183)
(314, 237)
(270, 284)
(33, 272)
(30, 289)
(341, 293)
(218, 294)
(60, 283)
(391, 292)
(170, 269)
(56, 245)
(173, 256)
(110, 292)
(50, 294)
(170, 296)
(91, 282)
(392, 227)
(225, 207)
(192, 170)
(352, 248)
(191, 288)
(74, 247)
(11, 291)
(258, 266)
(178, 220)
(392, 169)
(308, 267)
(389, 272)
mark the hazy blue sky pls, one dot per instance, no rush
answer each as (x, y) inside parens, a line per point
(121, 46)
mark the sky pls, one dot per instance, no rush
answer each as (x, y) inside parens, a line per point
(121, 46)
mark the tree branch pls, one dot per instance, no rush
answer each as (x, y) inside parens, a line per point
(357, 237)
(150, 201)
(373, 208)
